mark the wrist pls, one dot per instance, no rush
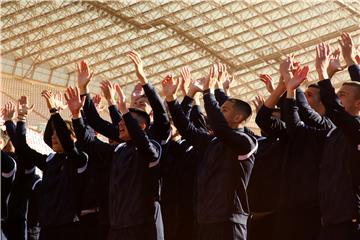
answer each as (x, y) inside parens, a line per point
(323, 75)
(21, 117)
(123, 109)
(350, 61)
(84, 90)
(143, 81)
(191, 93)
(110, 101)
(76, 115)
(290, 93)
(170, 98)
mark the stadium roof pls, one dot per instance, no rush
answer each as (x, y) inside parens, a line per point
(42, 40)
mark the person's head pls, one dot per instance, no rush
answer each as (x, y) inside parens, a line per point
(235, 112)
(4, 139)
(142, 103)
(312, 94)
(349, 95)
(140, 116)
(55, 142)
(276, 113)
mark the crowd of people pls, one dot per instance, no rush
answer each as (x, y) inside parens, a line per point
(172, 171)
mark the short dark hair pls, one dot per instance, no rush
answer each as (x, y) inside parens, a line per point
(314, 85)
(241, 106)
(142, 115)
(356, 85)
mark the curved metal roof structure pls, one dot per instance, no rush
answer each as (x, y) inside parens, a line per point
(42, 40)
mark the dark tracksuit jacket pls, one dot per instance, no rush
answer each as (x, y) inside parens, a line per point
(339, 175)
(178, 175)
(8, 170)
(15, 225)
(59, 189)
(132, 177)
(265, 180)
(221, 193)
(159, 130)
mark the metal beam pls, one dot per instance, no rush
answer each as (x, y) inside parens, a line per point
(17, 36)
(348, 8)
(52, 36)
(257, 61)
(159, 22)
(25, 9)
(206, 35)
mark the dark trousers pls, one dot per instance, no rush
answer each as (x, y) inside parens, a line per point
(302, 224)
(145, 231)
(343, 231)
(221, 231)
(15, 229)
(103, 231)
(67, 231)
(88, 226)
(260, 225)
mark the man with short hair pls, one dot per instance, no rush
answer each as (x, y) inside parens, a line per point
(133, 170)
(224, 170)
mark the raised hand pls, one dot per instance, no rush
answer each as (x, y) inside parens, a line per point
(84, 76)
(74, 102)
(170, 87)
(287, 67)
(9, 111)
(348, 49)
(357, 55)
(97, 100)
(185, 80)
(210, 81)
(300, 75)
(109, 92)
(2, 117)
(136, 59)
(195, 86)
(267, 79)
(49, 98)
(258, 102)
(334, 64)
(322, 60)
(59, 103)
(122, 99)
(222, 74)
(227, 82)
(137, 93)
(23, 108)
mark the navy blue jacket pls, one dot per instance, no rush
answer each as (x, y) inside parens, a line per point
(340, 175)
(221, 194)
(132, 173)
(59, 191)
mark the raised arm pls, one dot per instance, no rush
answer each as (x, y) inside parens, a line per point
(222, 84)
(186, 129)
(109, 92)
(349, 54)
(85, 137)
(22, 147)
(8, 115)
(161, 124)
(150, 149)
(63, 133)
(92, 116)
(239, 142)
(309, 115)
(291, 116)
